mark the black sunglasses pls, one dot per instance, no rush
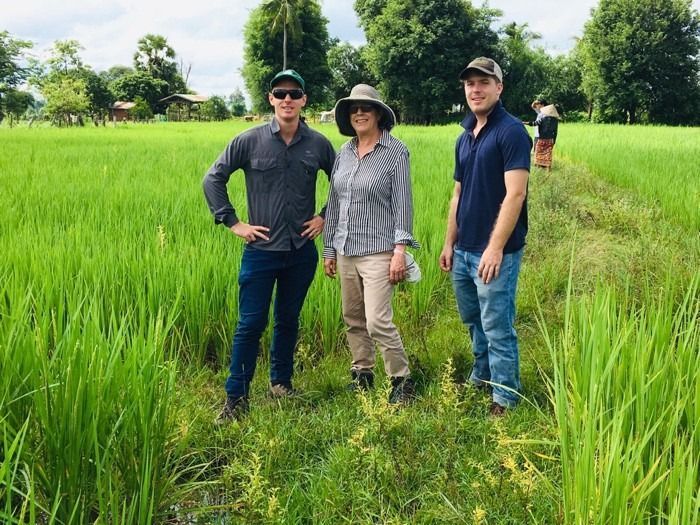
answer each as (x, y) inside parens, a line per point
(281, 94)
(365, 108)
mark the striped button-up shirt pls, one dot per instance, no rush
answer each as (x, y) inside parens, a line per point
(370, 206)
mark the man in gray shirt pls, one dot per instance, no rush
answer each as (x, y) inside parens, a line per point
(280, 161)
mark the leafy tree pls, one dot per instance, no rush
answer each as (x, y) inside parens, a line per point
(141, 110)
(524, 68)
(418, 47)
(214, 109)
(284, 15)
(138, 84)
(564, 85)
(98, 92)
(65, 63)
(65, 96)
(65, 57)
(114, 73)
(263, 54)
(12, 72)
(236, 103)
(349, 67)
(157, 58)
(16, 103)
(641, 61)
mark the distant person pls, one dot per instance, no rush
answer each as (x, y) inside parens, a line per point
(280, 160)
(549, 127)
(369, 224)
(536, 107)
(486, 228)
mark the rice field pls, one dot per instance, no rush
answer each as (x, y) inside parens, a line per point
(118, 300)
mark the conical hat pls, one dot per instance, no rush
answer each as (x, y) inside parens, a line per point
(550, 111)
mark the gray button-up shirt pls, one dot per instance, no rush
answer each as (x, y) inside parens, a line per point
(280, 181)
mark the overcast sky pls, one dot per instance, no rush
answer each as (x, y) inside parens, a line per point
(209, 33)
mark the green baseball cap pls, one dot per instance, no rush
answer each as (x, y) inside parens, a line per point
(289, 74)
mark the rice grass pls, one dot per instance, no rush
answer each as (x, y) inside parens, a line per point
(118, 299)
(625, 393)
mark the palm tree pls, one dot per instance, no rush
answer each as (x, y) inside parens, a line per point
(284, 14)
(154, 55)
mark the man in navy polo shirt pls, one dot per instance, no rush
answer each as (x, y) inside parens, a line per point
(486, 228)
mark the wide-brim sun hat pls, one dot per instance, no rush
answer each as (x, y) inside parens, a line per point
(362, 93)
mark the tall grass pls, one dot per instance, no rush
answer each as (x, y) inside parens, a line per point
(626, 395)
(90, 428)
(117, 291)
(657, 162)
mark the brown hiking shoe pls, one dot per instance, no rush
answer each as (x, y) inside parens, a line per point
(234, 409)
(281, 390)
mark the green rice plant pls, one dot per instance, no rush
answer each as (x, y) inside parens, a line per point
(105, 439)
(118, 300)
(657, 162)
(16, 502)
(625, 391)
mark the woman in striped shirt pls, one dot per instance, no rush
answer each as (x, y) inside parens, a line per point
(369, 223)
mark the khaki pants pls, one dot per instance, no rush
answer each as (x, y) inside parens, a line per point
(366, 293)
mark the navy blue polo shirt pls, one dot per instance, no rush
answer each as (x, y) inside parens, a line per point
(480, 163)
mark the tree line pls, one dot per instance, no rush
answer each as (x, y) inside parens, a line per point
(72, 89)
(637, 62)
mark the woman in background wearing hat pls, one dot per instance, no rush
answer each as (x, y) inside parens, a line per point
(369, 224)
(547, 123)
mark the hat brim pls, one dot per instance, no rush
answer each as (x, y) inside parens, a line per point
(467, 69)
(342, 114)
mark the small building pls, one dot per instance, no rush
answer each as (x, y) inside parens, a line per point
(183, 106)
(327, 116)
(119, 111)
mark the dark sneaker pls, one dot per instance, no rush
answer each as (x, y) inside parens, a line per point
(496, 410)
(361, 380)
(403, 390)
(234, 409)
(281, 390)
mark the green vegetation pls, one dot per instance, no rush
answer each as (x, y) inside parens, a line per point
(292, 33)
(118, 301)
(657, 163)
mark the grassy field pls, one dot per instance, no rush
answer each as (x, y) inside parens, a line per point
(118, 300)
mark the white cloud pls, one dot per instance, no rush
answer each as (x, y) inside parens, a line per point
(209, 33)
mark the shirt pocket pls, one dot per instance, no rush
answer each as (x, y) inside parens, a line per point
(309, 169)
(264, 174)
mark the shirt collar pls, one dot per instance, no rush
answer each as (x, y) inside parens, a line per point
(302, 130)
(384, 140)
(496, 113)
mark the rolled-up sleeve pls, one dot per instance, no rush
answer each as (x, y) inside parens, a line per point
(215, 180)
(402, 202)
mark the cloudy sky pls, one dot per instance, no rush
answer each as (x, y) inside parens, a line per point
(209, 33)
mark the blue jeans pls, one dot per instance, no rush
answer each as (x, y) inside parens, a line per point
(292, 272)
(488, 310)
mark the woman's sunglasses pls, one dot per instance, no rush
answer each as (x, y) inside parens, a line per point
(365, 108)
(281, 94)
